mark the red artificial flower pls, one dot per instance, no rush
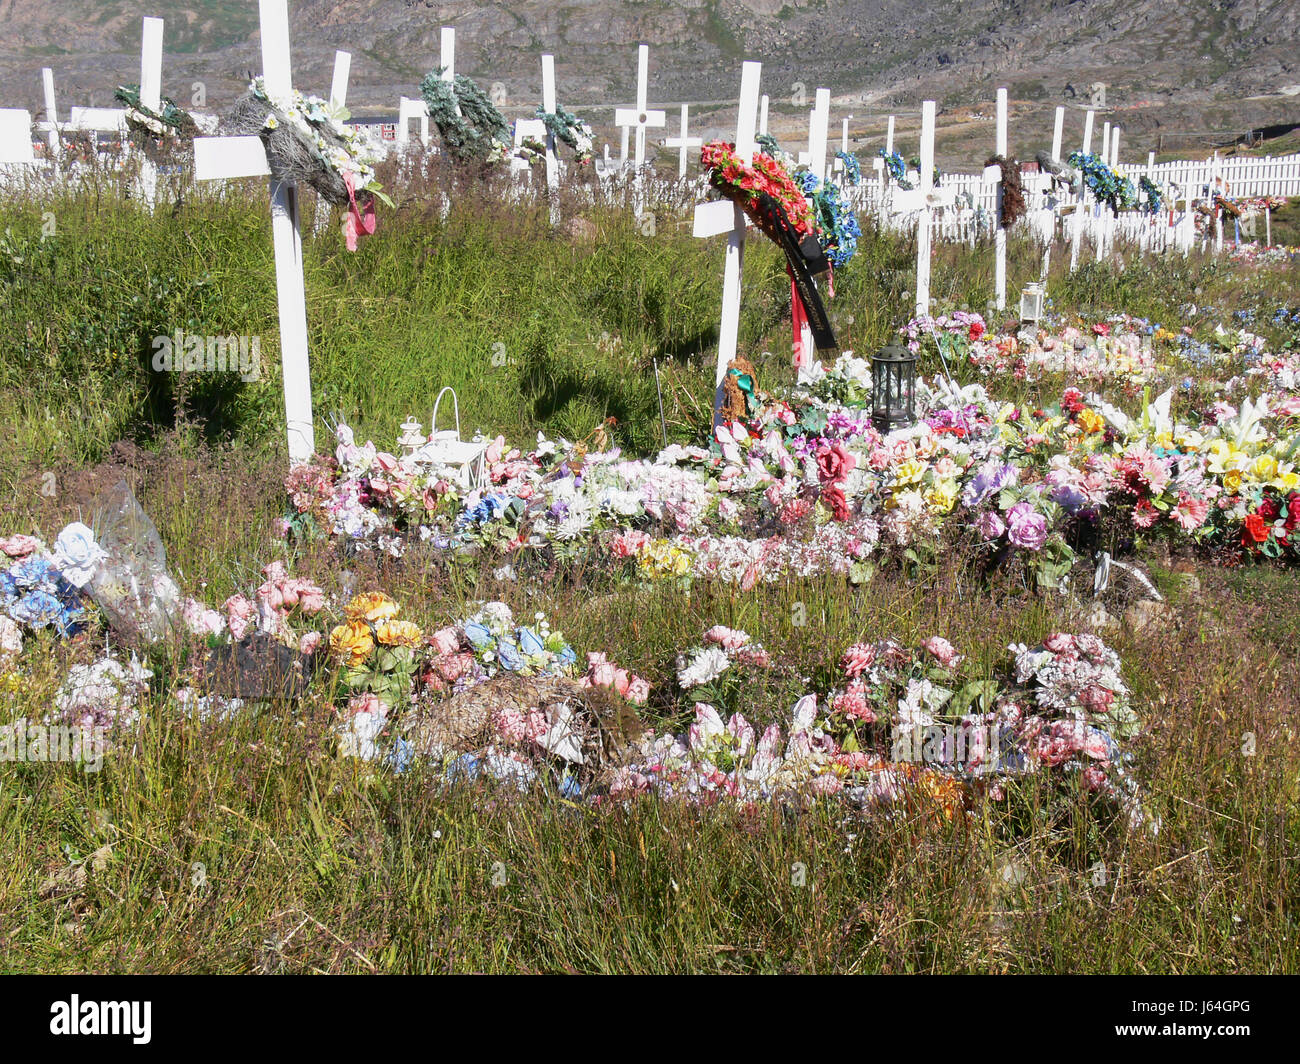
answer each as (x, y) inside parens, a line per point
(1254, 530)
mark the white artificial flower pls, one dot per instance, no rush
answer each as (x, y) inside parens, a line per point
(706, 665)
(77, 554)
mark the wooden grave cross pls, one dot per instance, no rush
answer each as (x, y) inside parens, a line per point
(640, 118)
(683, 143)
(725, 216)
(217, 158)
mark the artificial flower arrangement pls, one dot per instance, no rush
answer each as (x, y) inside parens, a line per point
(852, 168)
(306, 138)
(471, 126)
(897, 168)
(170, 121)
(41, 588)
(569, 129)
(1107, 186)
(1152, 196)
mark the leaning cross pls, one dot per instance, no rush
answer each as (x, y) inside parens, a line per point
(683, 143)
(724, 216)
(227, 157)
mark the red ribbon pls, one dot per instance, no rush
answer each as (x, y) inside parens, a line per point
(359, 220)
(799, 319)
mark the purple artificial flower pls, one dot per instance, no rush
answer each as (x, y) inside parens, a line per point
(1026, 527)
(990, 525)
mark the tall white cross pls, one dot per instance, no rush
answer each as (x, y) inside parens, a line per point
(51, 123)
(818, 134)
(640, 118)
(1000, 234)
(923, 227)
(227, 157)
(724, 216)
(683, 143)
(150, 96)
(1082, 201)
(338, 100)
(762, 115)
(549, 105)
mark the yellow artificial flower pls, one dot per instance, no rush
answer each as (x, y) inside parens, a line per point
(398, 633)
(909, 472)
(1232, 481)
(1091, 421)
(352, 643)
(371, 606)
(1288, 481)
(1225, 456)
(942, 497)
(1264, 467)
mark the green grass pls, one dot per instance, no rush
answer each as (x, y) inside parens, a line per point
(248, 846)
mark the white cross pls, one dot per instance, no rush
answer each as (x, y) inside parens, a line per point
(1077, 231)
(923, 226)
(724, 216)
(227, 157)
(1000, 234)
(683, 143)
(51, 123)
(16, 136)
(640, 118)
(762, 115)
(549, 105)
(338, 100)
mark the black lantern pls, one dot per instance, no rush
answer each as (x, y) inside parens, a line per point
(893, 388)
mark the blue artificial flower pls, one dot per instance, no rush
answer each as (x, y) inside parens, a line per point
(530, 642)
(567, 656)
(570, 787)
(400, 755)
(465, 767)
(509, 656)
(35, 573)
(36, 608)
(478, 634)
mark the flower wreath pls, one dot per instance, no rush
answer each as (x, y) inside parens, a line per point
(1105, 184)
(572, 130)
(1152, 192)
(746, 184)
(306, 141)
(837, 225)
(470, 125)
(170, 121)
(896, 167)
(852, 168)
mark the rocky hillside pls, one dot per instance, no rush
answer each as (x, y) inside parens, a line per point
(1167, 67)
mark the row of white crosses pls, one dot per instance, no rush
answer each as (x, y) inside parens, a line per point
(16, 124)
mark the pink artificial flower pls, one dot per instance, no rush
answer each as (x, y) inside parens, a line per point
(638, 691)
(834, 462)
(240, 614)
(19, 546)
(990, 525)
(1190, 513)
(858, 659)
(446, 640)
(366, 702)
(309, 643)
(727, 638)
(944, 652)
